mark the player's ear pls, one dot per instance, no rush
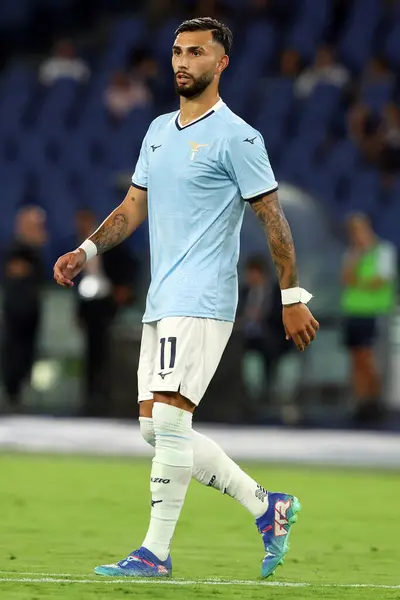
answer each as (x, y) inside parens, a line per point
(222, 64)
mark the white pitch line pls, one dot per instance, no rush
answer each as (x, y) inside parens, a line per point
(42, 574)
(166, 581)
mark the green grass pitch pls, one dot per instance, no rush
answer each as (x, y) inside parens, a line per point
(61, 516)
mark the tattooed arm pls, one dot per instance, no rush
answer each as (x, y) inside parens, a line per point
(269, 210)
(122, 222)
(298, 321)
(119, 225)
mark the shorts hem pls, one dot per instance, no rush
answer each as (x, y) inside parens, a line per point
(173, 387)
(147, 319)
(144, 397)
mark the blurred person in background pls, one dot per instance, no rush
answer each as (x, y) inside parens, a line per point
(123, 94)
(64, 64)
(389, 137)
(377, 136)
(324, 70)
(290, 63)
(144, 69)
(369, 280)
(23, 275)
(260, 317)
(106, 284)
(377, 71)
(363, 125)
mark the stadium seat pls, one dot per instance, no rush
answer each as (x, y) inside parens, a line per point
(376, 95)
(356, 43)
(393, 45)
(308, 31)
(387, 224)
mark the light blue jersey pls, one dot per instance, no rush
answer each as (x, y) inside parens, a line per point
(197, 178)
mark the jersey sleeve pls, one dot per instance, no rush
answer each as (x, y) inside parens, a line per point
(140, 176)
(248, 165)
(387, 261)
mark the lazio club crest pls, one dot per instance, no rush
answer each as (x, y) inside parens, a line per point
(195, 149)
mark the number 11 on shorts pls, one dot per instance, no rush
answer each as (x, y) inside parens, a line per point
(172, 342)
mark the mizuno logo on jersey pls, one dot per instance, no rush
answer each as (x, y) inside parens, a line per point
(250, 140)
(195, 149)
(154, 148)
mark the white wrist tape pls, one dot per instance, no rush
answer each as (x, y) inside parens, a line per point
(294, 295)
(89, 248)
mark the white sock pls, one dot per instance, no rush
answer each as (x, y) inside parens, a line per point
(213, 468)
(170, 475)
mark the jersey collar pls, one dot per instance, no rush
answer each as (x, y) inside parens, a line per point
(210, 112)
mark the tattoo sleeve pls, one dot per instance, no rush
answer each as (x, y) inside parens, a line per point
(269, 210)
(122, 222)
(111, 233)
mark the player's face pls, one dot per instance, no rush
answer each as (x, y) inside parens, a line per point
(360, 233)
(197, 61)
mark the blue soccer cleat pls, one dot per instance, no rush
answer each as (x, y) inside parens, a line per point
(274, 527)
(141, 563)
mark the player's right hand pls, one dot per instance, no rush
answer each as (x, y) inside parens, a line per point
(69, 266)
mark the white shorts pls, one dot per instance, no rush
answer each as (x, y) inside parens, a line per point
(180, 354)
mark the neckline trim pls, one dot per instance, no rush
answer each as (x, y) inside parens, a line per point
(210, 112)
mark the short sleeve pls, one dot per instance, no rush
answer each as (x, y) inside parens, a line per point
(140, 176)
(387, 261)
(248, 165)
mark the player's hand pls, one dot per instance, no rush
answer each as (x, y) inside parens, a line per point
(300, 325)
(69, 266)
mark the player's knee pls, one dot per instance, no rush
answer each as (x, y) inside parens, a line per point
(147, 430)
(173, 433)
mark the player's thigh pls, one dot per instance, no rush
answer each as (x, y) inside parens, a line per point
(189, 352)
(148, 351)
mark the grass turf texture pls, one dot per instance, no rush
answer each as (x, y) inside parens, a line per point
(65, 515)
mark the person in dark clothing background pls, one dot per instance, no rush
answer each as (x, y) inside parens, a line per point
(260, 313)
(23, 275)
(105, 285)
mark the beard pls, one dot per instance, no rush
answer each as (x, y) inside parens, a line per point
(195, 87)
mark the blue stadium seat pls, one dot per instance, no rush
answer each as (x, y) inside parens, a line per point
(341, 162)
(258, 48)
(125, 35)
(387, 225)
(56, 104)
(163, 41)
(276, 98)
(16, 89)
(393, 45)
(356, 43)
(297, 161)
(319, 108)
(363, 193)
(376, 95)
(308, 31)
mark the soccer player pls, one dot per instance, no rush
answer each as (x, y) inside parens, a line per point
(197, 168)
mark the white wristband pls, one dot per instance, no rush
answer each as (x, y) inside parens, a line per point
(295, 295)
(89, 248)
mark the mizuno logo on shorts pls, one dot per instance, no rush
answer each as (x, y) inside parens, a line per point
(163, 375)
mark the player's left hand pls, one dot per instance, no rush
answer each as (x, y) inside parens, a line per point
(300, 325)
